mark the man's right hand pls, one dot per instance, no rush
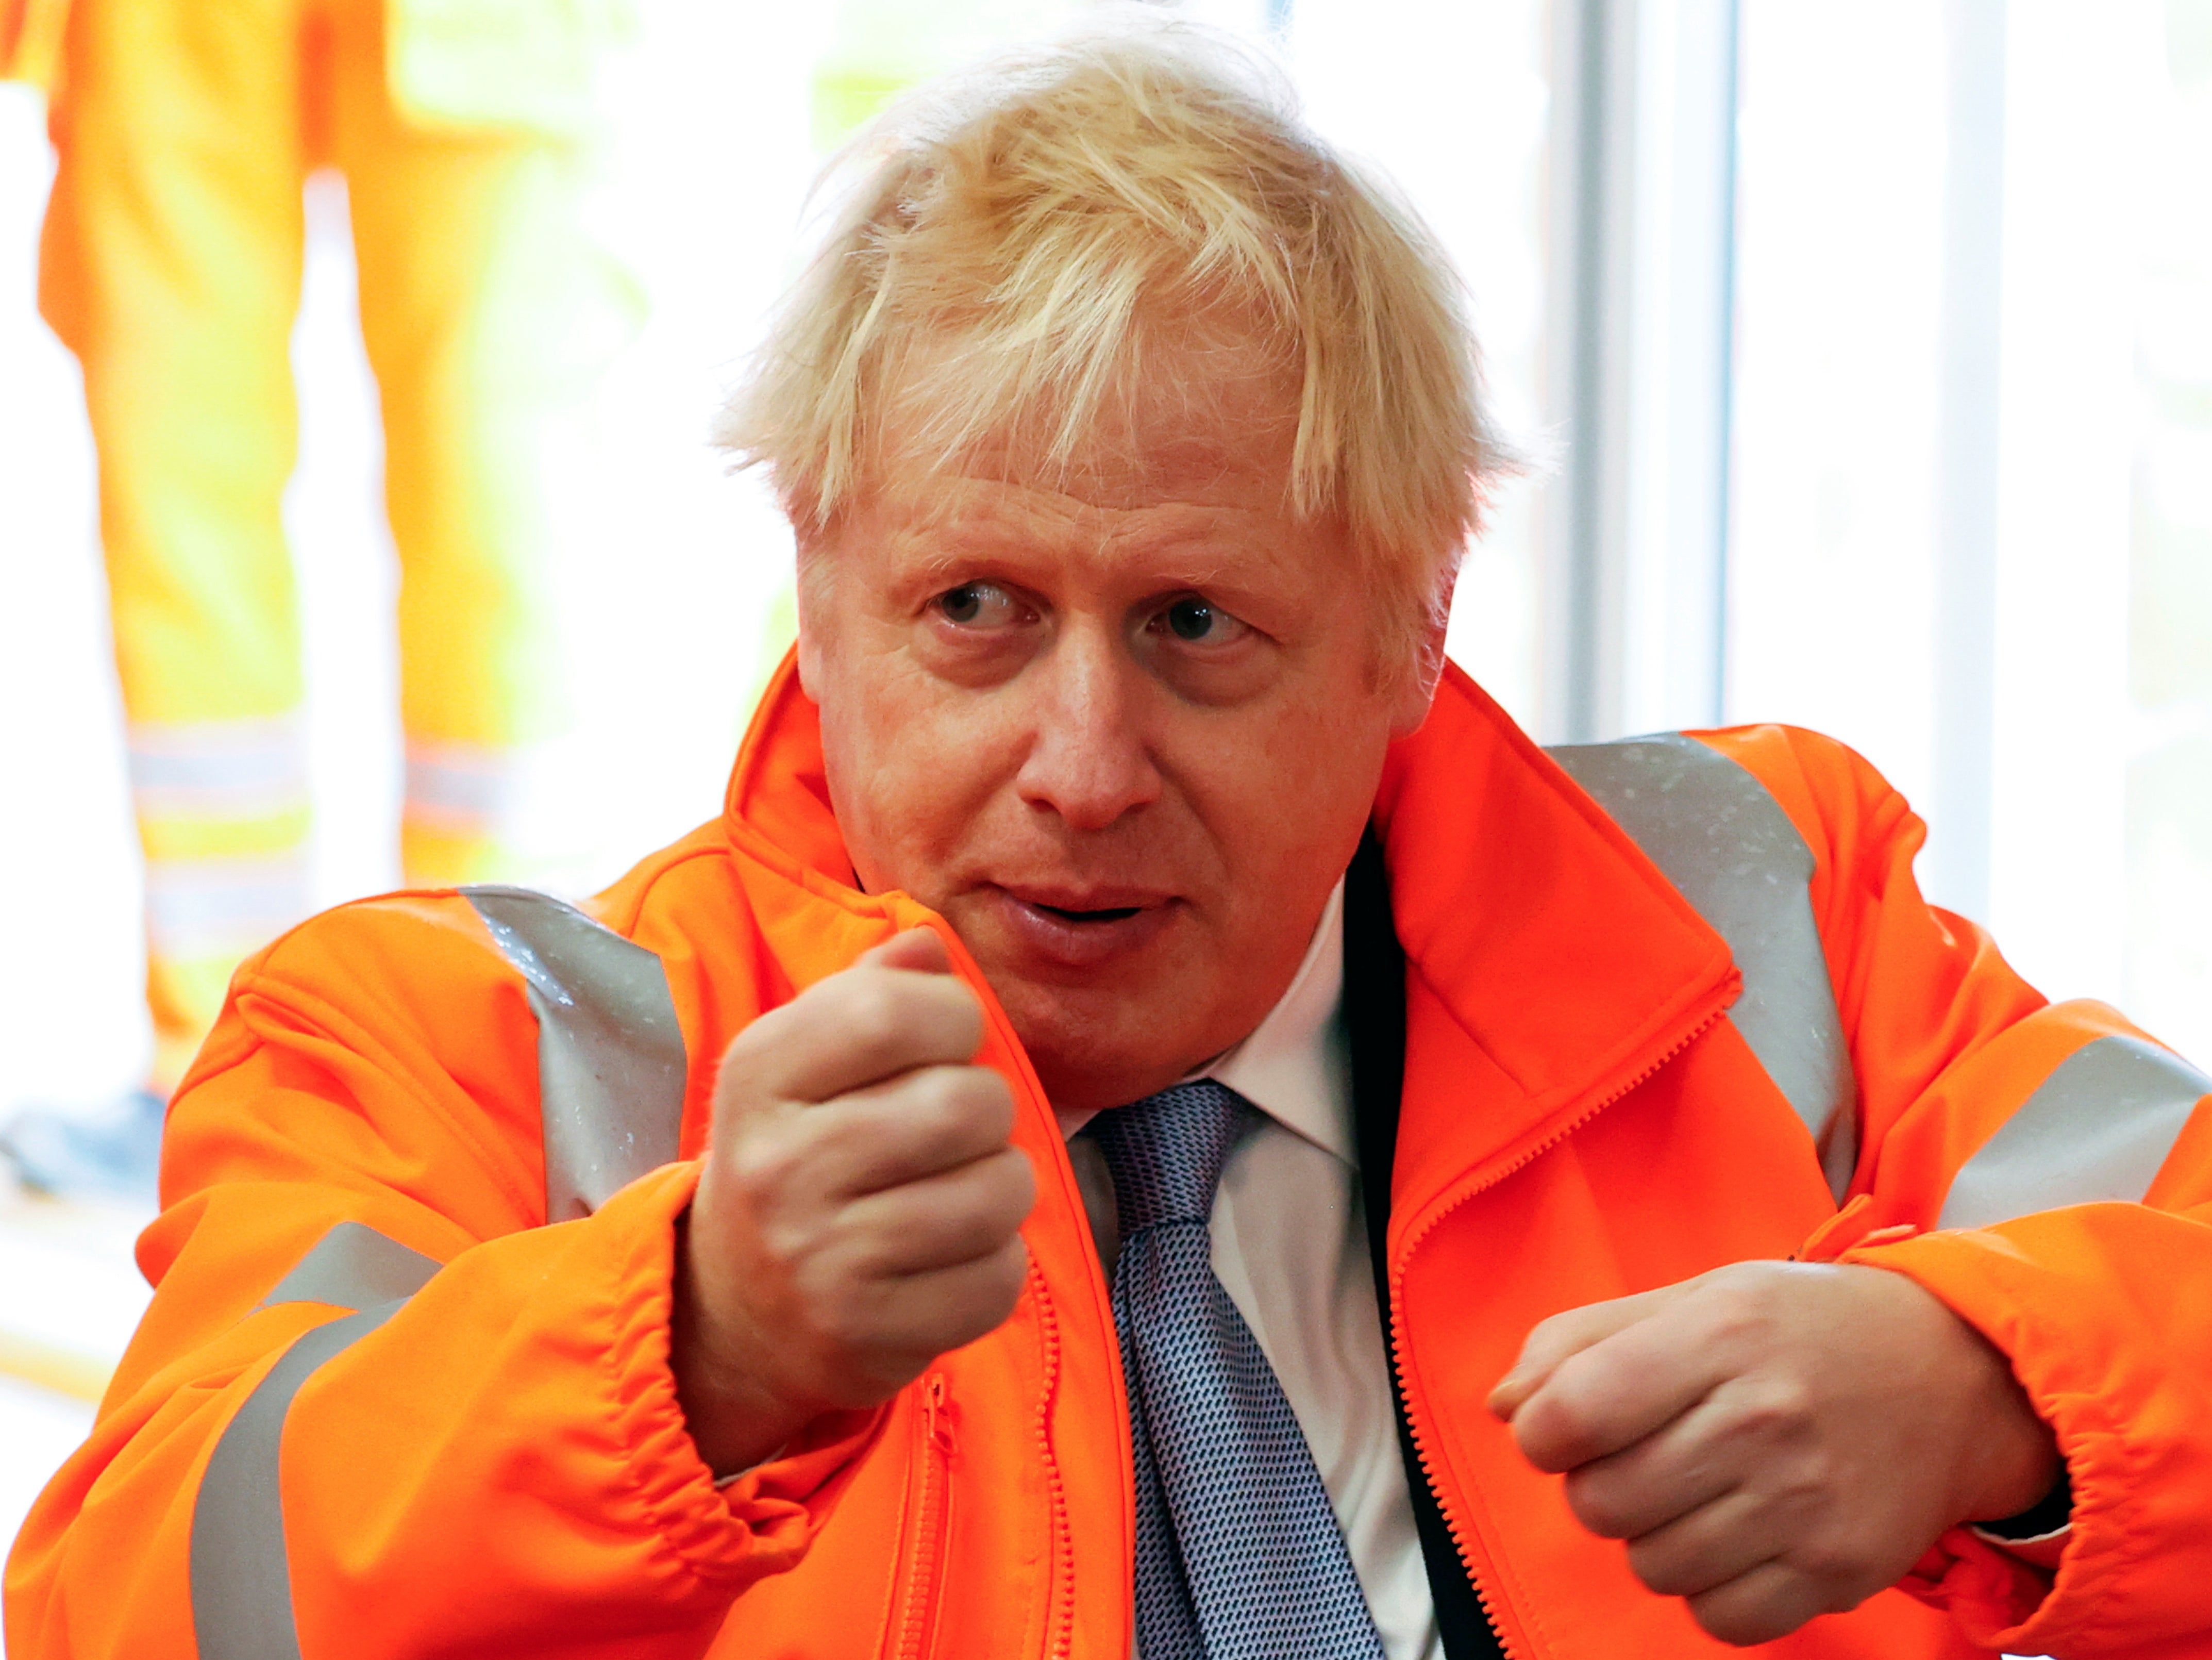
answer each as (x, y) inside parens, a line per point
(860, 1207)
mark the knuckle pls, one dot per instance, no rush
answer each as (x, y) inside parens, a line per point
(929, 1102)
(992, 1216)
(1835, 1562)
(1827, 1561)
(1008, 1271)
(1550, 1436)
(1013, 1184)
(1843, 1598)
(846, 1312)
(1574, 1419)
(1658, 1569)
(871, 1015)
(973, 1099)
(1791, 1403)
(991, 1097)
(1738, 1312)
(985, 1296)
(1000, 1274)
(735, 1085)
(1737, 1629)
(1776, 1405)
(958, 1008)
(1742, 1616)
(1813, 1481)
(761, 1170)
(1597, 1506)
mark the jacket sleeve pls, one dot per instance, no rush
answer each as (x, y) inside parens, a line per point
(375, 1407)
(2046, 1170)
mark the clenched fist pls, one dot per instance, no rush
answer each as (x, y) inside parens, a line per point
(1776, 1440)
(859, 1211)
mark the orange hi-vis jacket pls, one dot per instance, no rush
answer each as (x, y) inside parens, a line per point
(404, 1388)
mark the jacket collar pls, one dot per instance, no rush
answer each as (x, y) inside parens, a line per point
(1526, 915)
(1555, 950)
(778, 802)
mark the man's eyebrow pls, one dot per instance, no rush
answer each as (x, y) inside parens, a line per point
(939, 566)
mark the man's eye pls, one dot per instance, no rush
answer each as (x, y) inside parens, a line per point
(1198, 623)
(980, 605)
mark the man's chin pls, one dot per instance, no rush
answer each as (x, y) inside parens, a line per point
(1097, 1046)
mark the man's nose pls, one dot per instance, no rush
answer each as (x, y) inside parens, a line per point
(1090, 759)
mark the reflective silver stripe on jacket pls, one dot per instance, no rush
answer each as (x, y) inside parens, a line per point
(610, 1064)
(610, 1090)
(2097, 1127)
(241, 1582)
(1727, 847)
(353, 1266)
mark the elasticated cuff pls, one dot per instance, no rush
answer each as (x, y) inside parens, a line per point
(760, 1523)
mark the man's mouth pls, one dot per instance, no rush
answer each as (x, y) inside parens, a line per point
(1074, 929)
(1110, 914)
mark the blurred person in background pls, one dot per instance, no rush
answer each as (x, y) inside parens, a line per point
(171, 264)
(1157, 1119)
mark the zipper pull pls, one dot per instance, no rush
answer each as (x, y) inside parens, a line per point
(936, 1417)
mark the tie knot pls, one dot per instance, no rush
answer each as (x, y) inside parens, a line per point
(1166, 1151)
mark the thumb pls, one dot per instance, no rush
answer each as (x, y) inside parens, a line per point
(920, 950)
(1563, 1335)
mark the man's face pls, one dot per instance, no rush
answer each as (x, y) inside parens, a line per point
(1119, 724)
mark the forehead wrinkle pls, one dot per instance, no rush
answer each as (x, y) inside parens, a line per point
(1191, 544)
(999, 509)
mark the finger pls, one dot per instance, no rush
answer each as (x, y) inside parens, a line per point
(1769, 1600)
(922, 951)
(1625, 1387)
(1553, 1339)
(1614, 1395)
(1688, 1462)
(953, 1306)
(889, 1329)
(794, 1173)
(955, 1218)
(855, 1028)
(1708, 1546)
(931, 1119)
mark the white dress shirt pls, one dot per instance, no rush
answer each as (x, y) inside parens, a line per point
(1290, 1247)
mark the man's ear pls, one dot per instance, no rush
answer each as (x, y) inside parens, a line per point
(1419, 690)
(805, 601)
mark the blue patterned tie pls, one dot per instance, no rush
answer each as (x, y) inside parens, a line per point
(1238, 1553)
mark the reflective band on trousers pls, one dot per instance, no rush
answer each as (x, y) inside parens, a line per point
(212, 906)
(221, 770)
(462, 780)
(2097, 1127)
(611, 1063)
(1727, 847)
(241, 1581)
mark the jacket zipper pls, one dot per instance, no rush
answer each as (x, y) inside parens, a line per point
(1462, 1536)
(1060, 1595)
(1059, 1623)
(913, 1624)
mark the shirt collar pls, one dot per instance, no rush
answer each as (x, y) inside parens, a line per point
(1294, 1066)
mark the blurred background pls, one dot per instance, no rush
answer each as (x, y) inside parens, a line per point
(1868, 351)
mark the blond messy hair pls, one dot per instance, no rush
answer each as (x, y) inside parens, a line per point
(1037, 235)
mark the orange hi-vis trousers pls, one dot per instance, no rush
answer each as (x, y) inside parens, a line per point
(171, 265)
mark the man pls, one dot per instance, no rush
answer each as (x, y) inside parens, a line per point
(170, 265)
(955, 1203)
